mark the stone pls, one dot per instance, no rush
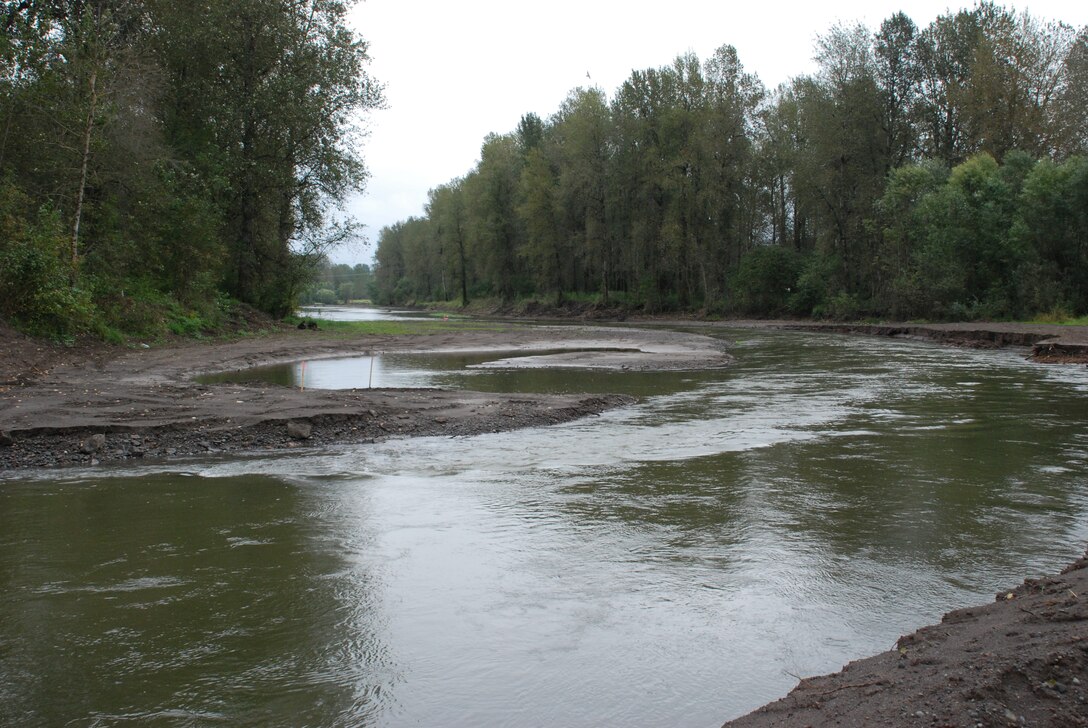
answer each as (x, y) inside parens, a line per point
(299, 430)
(92, 444)
(6, 440)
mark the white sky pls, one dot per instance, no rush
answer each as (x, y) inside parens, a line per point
(456, 70)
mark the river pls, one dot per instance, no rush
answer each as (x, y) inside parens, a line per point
(678, 562)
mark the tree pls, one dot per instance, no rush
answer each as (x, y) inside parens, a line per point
(263, 103)
(1053, 225)
(846, 163)
(899, 77)
(446, 207)
(1071, 109)
(1017, 75)
(581, 131)
(543, 249)
(727, 217)
(492, 198)
(946, 49)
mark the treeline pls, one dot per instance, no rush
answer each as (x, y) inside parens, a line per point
(159, 158)
(339, 283)
(919, 172)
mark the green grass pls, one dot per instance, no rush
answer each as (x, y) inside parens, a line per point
(1080, 321)
(1061, 316)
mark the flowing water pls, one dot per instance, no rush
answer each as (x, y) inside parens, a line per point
(677, 562)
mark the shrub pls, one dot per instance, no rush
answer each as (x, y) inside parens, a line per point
(36, 292)
(765, 280)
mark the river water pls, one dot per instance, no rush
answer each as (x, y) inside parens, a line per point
(678, 562)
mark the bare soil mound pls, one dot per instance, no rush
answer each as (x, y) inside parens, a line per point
(1020, 661)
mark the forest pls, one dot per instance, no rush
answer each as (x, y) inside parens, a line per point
(917, 173)
(161, 161)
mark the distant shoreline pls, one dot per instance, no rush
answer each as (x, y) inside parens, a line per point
(1049, 343)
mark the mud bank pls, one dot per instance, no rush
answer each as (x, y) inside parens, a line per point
(323, 419)
(64, 407)
(1048, 342)
(1019, 661)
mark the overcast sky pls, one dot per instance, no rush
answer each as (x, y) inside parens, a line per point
(457, 70)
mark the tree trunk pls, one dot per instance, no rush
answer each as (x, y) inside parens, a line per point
(88, 130)
(464, 274)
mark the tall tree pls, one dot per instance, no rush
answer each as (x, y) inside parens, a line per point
(899, 78)
(492, 196)
(946, 50)
(264, 98)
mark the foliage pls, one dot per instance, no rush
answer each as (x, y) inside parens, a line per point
(765, 280)
(931, 172)
(175, 155)
(337, 283)
(35, 291)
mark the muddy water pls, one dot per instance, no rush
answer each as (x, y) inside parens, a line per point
(675, 563)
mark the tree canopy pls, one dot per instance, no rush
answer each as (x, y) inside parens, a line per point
(924, 172)
(154, 151)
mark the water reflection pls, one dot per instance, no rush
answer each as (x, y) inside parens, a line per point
(168, 598)
(459, 370)
(361, 372)
(359, 312)
(672, 563)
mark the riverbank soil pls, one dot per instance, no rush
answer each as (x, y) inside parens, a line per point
(1049, 343)
(90, 404)
(1019, 661)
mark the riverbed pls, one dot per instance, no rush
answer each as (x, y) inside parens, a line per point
(677, 562)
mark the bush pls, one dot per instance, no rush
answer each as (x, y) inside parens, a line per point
(765, 280)
(811, 294)
(324, 295)
(36, 292)
(841, 307)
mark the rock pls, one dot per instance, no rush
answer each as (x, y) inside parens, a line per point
(6, 439)
(92, 444)
(299, 430)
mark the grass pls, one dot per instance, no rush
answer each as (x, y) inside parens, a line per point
(1081, 321)
(1060, 316)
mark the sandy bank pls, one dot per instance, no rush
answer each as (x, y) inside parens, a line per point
(1048, 342)
(1019, 661)
(144, 403)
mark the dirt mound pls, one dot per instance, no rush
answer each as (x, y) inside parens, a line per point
(1020, 661)
(25, 359)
